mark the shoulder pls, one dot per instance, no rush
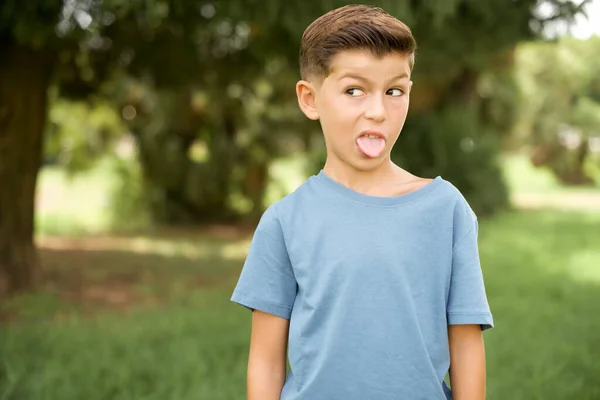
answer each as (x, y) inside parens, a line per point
(445, 194)
(464, 218)
(453, 197)
(443, 191)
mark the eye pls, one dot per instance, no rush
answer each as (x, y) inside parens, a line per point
(395, 92)
(354, 92)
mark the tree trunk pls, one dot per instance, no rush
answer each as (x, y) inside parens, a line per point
(24, 80)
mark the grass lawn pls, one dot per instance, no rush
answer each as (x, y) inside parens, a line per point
(149, 317)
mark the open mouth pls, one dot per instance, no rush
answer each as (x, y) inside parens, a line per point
(371, 144)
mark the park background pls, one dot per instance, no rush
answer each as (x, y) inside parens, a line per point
(140, 141)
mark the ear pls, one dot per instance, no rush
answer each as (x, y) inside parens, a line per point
(307, 99)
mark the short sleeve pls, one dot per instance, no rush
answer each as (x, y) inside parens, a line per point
(467, 301)
(267, 281)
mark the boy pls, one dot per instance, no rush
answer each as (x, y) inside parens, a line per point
(366, 274)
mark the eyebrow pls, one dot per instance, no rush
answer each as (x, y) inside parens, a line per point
(360, 78)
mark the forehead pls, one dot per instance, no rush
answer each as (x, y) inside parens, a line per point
(365, 63)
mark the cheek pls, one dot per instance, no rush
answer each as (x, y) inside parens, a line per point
(350, 111)
(345, 112)
(400, 105)
(340, 112)
(398, 109)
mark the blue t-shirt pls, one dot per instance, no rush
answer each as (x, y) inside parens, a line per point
(369, 284)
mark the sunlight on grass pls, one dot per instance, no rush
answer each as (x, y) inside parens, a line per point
(72, 205)
(200, 249)
(584, 265)
(521, 176)
(537, 188)
(192, 249)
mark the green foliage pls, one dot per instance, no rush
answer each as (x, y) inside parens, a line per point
(586, 115)
(219, 76)
(80, 133)
(129, 204)
(559, 105)
(451, 143)
(31, 23)
(499, 112)
(457, 69)
(205, 149)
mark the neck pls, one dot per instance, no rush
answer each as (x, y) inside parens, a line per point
(364, 181)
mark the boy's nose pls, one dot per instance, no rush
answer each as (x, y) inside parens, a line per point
(375, 109)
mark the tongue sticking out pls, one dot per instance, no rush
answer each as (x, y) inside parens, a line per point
(370, 147)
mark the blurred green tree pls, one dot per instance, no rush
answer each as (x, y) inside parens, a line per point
(559, 105)
(217, 75)
(74, 46)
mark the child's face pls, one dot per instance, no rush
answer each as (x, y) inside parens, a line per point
(362, 95)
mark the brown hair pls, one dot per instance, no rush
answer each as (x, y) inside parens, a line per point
(352, 27)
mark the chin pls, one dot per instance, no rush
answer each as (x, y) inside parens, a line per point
(359, 162)
(365, 164)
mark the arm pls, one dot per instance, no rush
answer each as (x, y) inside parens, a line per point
(467, 362)
(267, 358)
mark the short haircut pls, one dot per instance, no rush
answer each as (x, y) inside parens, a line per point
(352, 27)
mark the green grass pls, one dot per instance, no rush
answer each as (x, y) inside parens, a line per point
(186, 351)
(149, 317)
(543, 280)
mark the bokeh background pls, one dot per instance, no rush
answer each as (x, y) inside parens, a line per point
(140, 141)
